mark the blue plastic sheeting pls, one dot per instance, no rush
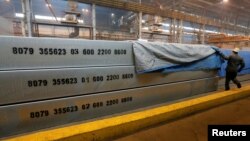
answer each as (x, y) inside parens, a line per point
(246, 57)
(211, 62)
(170, 57)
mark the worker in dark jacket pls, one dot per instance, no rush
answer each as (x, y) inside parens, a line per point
(234, 65)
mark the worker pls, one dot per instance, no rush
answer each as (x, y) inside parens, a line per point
(234, 65)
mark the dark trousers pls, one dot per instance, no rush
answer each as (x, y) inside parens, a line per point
(231, 76)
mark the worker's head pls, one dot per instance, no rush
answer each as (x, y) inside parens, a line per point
(236, 50)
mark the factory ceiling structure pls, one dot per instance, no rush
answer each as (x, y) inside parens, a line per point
(182, 21)
(233, 13)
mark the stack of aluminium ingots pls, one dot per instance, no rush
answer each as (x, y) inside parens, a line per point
(48, 82)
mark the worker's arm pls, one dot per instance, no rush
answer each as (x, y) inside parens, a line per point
(222, 55)
(242, 65)
(217, 51)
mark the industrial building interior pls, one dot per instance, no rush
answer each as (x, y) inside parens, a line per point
(224, 24)
(221, 22)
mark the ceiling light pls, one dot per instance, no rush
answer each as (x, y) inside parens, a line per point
(161, 7)
(165, 24)
(165, 30)
(225, 1)
(19, 15)
(48, 5)
(85, 10)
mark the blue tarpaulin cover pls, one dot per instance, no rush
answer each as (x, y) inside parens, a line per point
(170, 57)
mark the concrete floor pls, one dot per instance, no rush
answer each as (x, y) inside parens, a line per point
(194, 127)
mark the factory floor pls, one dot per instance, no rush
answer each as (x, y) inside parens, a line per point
(194, 127)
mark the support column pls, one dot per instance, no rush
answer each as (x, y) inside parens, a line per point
(248, 28)
(171, 31)
(203, 34)
(177, 31)
(22, 22)
(174, 31)
(223, 26)
(235, 24)
(140, 19)
(27, 22)
(94, 21)
(139, 30)
(181, 31)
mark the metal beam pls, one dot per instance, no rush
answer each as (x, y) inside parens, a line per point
(248, 26)
(202, 34)
(27, 26)
(136, 7)
(174, 30)
(140, 23)
(180, 31)
(94, 21)
(229, 39)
